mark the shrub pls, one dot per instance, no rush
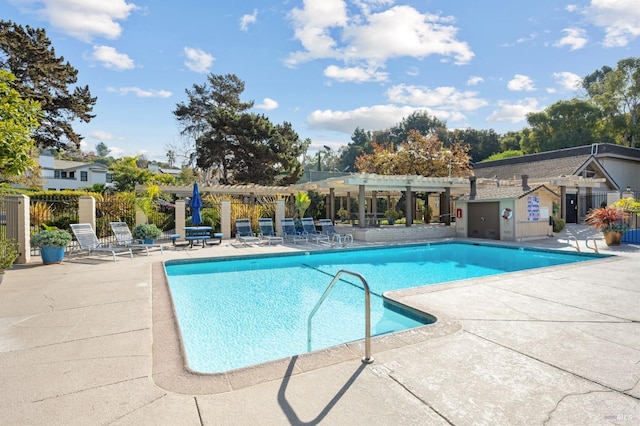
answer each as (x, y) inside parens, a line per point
(51, 237)
(8, 254)
(146, 231)
(558, 224)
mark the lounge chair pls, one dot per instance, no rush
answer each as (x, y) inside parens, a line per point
(267, 234)
(244, 233)
(289, 231)
(124, 238)
(87, 240)
(330, 230)
(309, 229)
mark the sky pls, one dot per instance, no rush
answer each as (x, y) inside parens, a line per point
(329, 66)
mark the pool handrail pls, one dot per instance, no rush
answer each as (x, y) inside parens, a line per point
(368, 359)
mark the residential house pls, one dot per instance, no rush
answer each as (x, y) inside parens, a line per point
(61, 174)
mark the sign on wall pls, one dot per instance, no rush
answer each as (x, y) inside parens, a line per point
(533, 208)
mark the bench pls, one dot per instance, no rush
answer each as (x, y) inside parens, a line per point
(195, 235)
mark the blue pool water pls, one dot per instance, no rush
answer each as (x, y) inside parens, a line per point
(236, 312)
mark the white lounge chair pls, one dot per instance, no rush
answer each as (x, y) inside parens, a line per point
(244, 233)
(267, 233)
(87, 240)
(309, 228)
(289, 231)
(124, 238)
(329, 229)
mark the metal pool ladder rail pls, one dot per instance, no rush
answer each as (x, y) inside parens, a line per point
(368, 359)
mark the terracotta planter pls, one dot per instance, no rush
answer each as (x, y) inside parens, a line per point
(613, 238)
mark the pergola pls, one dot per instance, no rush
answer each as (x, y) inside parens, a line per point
(385, 185)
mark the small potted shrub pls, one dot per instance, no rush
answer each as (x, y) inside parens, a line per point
(609, 221)
(52, 243)
(8, 255)
(391, 216)
(146, 232)
(343, 214)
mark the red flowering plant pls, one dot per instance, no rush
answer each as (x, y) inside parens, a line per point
(607, 219)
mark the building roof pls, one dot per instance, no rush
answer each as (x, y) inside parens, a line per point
(492, 192)
(535, 168)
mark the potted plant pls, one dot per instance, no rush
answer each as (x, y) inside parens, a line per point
(52, 243)
(146, 232)
(343, 214)
(8, 255)
(391, 216)
(610, 221)
(428, 213)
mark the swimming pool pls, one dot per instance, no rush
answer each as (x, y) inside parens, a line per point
(242, 311)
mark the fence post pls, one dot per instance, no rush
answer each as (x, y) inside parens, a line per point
(280, 212)
(180, 217)
(19, 225)
(87, 211)
(225, 218)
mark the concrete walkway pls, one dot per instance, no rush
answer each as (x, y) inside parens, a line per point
(83, 343)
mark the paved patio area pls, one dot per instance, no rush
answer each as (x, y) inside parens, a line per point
(90, 341)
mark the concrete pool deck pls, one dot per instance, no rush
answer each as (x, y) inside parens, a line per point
(83, 343)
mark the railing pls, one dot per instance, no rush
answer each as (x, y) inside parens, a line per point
(572, 238)
(368, 359)
(595, 244)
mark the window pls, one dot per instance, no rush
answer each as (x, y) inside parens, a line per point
(63, 175)
(56, 174)
(84, 176)
(72, 175)
(109, 178)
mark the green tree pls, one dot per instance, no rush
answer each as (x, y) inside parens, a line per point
(360, 144)
(617, 93)
(483, 143)
(565, 124)
(18, 118)
(243, 147)
(102, 150)
(43, 77)
(126, 174)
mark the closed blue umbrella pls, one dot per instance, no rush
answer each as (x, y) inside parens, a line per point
(196, 204)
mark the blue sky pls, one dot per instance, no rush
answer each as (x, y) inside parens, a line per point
(329, 66)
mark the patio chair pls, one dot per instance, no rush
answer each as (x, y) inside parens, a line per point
(244, 233)
(267, 234)
(124, 238)
(87, 240)
(289, 231)
(309, 229)
(329, 229)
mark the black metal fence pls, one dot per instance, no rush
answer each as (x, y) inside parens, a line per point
(52, 210)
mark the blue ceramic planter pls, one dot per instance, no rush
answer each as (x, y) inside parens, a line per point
(51, 254)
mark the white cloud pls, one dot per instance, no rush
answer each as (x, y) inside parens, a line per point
(83, 19)
(568, 80)
(354, 74)
(571, 8)
(574, 38)
(123, 91)
(374, 117)
(515, 113)
(246, 20)
(521, 83)
(267, 104)
(110, 58)
(620, 20)
(474, 80)
(102, 135)
(197, 60)
(325, 30)
(444, 98)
